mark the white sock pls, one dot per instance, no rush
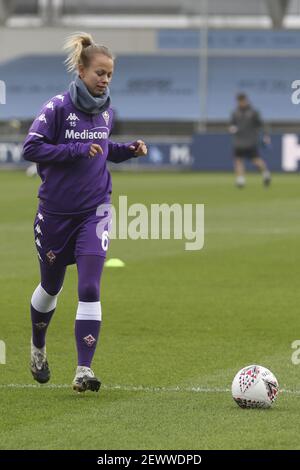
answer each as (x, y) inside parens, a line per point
(89, 311)
(240, 180)
(42, 301)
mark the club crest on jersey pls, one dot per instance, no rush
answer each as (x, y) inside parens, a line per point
(105, 116)
(72, 118)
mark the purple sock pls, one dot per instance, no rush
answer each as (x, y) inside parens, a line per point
(40, 322)
(52, 278)
(88, 318)
(86, 333)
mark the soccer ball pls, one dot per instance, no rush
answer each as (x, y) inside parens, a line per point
(254, 387)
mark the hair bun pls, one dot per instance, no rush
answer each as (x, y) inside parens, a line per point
(86, 40)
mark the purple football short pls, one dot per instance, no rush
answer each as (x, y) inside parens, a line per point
(60, 238)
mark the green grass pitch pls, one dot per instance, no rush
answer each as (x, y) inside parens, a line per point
(177, 325)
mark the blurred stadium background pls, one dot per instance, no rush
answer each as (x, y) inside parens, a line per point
(177, 325)
(179, 66)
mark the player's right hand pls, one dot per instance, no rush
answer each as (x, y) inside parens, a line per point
(94, 149)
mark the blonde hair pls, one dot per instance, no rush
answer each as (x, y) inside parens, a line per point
(81, 48)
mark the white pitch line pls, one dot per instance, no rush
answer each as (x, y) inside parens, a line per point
(124, 388)
(141, 388)
(137, 388)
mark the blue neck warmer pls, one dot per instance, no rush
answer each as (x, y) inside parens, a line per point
(84, 101)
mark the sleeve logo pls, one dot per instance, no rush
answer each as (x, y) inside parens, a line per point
(42, 118)
(50, 105)
(60, 97)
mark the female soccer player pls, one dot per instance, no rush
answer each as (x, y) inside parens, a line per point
(69, 141)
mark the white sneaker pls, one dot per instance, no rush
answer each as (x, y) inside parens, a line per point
(240, 181)
(266, 178)
(38, 364)
(85, 380)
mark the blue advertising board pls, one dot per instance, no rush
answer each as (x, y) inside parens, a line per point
(204, 152)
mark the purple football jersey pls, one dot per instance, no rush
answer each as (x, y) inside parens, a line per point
(58, 141)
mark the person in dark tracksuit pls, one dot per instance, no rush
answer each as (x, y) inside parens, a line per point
(246, 126)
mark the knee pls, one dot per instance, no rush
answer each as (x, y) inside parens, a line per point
(89, 292)
(51, 289)
(44, 301)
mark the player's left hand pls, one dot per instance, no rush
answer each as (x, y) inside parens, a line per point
(139, 147)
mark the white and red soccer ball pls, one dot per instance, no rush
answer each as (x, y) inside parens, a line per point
(254, 387)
